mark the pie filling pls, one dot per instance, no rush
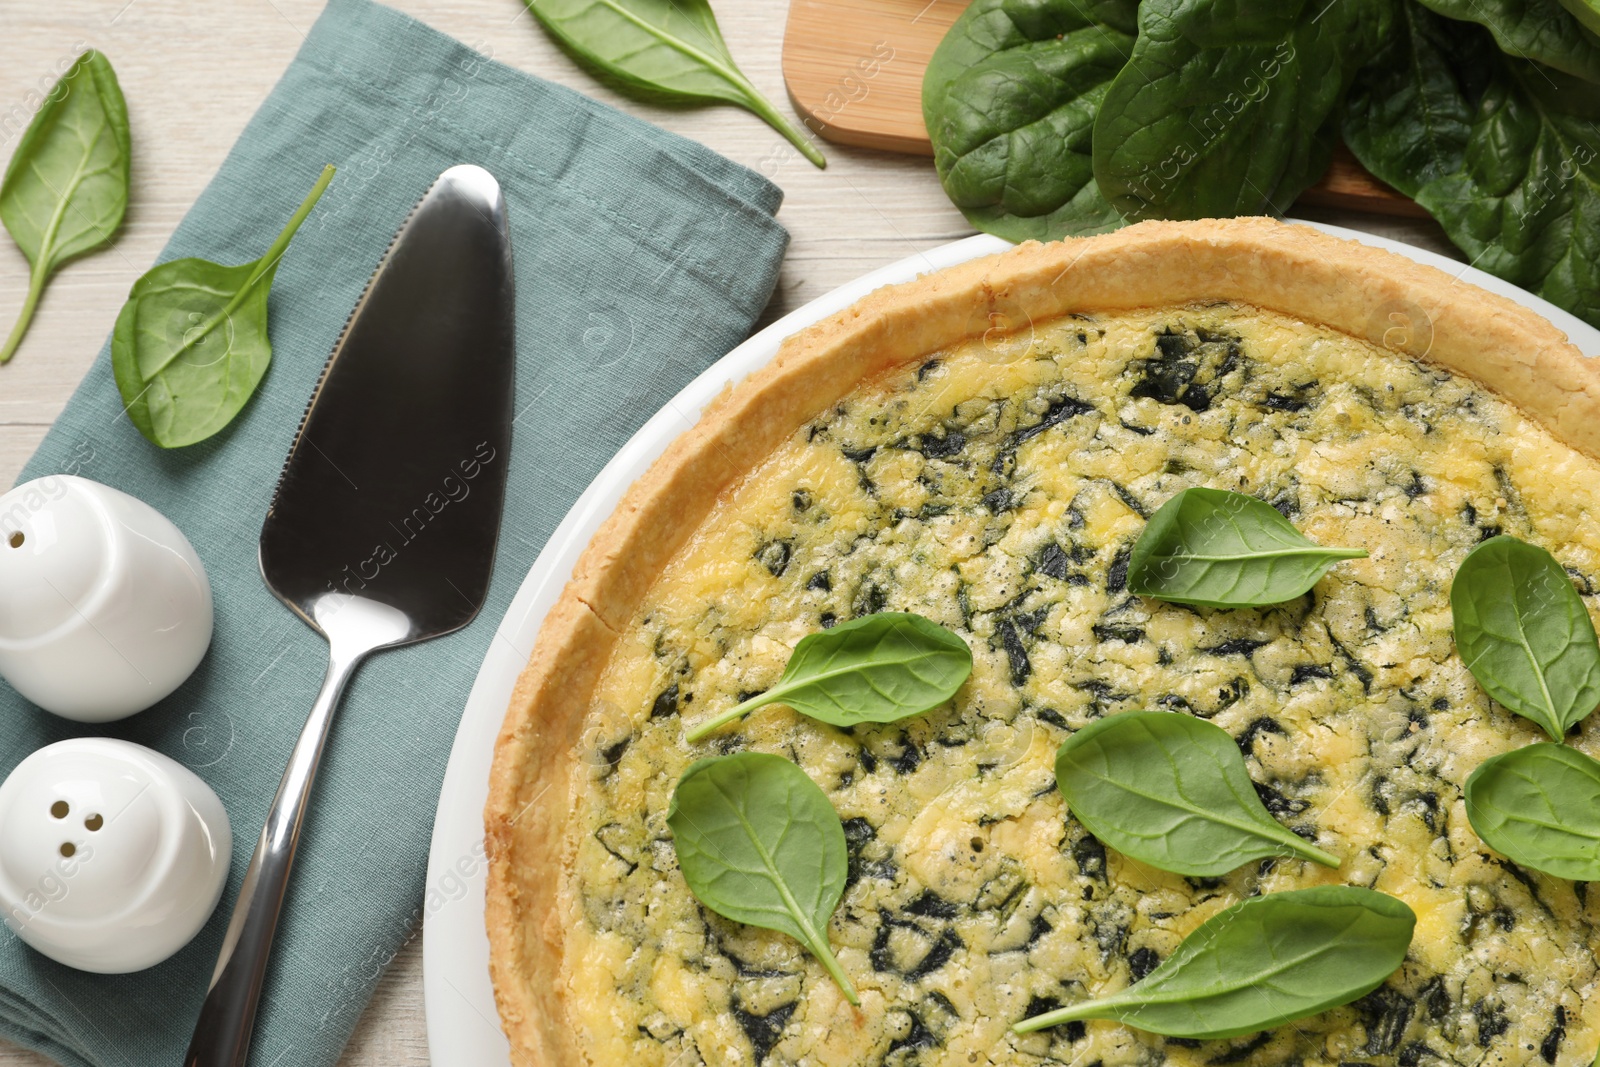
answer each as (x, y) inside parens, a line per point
(997, 489)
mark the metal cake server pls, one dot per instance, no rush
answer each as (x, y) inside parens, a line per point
(382, 530)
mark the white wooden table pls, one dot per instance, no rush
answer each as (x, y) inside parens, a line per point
(193, 74)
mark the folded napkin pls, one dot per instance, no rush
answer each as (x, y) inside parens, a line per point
(640, 257)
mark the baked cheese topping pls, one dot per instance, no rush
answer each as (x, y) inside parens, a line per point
(997, 489)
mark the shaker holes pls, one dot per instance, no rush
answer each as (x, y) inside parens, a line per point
(59, 809)
(94, 822)
(16, 539)
(68, 848)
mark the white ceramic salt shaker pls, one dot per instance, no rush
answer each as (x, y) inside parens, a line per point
(104, 606)
(112, 856)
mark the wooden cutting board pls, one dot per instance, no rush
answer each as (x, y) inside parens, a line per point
(854, 72)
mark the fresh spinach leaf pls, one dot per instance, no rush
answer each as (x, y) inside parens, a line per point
(1540, 30)
(1009, 100)
(66, 188)
(1520, 192)
(1226, 108)
(190, 345)
(1540, 805)
(759, 843)
(1264, 961)
(1172, 791)
(1524, 633)
(877, 668)
(670, 50)
(1226, 550)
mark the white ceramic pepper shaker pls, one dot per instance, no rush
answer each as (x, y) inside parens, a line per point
(104, 606)
(112, 856)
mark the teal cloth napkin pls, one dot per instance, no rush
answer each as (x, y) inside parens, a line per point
(640, 257)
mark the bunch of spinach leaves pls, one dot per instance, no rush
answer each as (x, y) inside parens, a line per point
(1054, 118)
(1503, 151)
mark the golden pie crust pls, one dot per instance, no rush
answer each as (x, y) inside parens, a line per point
(1371, 294)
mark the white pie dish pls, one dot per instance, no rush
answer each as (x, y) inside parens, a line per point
(463, 1022)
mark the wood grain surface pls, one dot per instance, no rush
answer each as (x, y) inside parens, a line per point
(193, 74)
(854, 68)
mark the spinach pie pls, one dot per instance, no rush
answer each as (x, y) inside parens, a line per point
(982, 447)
